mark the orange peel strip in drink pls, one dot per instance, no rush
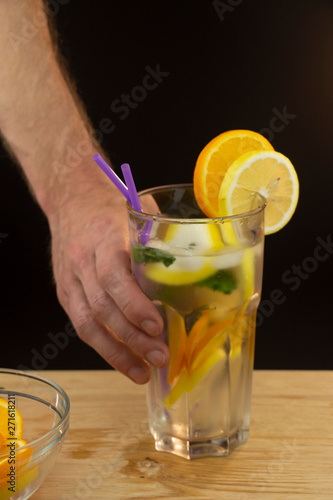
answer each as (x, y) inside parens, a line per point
(207, 335)
(177, 343)
(186, 383)
(196, 336)
(207, 352)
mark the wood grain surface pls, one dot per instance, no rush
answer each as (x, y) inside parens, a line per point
(109, 453)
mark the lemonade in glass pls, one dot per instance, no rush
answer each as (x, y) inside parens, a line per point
(204, 275)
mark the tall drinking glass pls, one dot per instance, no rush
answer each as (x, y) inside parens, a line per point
(204, 275)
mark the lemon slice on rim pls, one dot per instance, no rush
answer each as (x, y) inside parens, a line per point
(268, 173)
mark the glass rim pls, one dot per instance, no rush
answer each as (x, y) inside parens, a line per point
(193, 220)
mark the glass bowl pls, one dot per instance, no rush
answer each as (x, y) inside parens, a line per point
(44, 407)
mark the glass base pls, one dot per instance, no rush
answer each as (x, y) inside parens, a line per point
(218, 447)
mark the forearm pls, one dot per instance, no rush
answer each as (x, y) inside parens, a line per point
(40, 118)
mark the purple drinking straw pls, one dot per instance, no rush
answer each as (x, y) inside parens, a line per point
(126, 170)
(129, 190)
(112, 176)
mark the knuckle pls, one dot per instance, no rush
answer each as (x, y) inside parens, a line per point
(83, 322)
(113, 280)
(62, 295)
(131, 337)
(115, 357)
(99, 303)
(128, 305)
(101, 224)
(83, 326)
(77, 254)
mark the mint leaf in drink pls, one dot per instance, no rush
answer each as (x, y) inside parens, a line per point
(224, 281)
(147, 254)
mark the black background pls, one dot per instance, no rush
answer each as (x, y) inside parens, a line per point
(226, 70)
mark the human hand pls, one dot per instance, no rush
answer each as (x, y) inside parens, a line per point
(90, 256)
(47, 130)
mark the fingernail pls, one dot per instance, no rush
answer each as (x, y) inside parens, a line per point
(150, 327)
(156, 358)
(138, 374)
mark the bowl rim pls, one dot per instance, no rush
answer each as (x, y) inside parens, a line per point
(49, 435)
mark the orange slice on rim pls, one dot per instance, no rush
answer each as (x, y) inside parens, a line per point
(214, 161)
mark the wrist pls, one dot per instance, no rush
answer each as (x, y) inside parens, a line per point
(64, 167)
(78, 188)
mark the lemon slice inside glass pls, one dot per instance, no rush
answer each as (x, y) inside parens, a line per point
(194, 246)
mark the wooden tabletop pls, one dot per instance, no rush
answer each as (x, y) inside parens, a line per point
(109, 453)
